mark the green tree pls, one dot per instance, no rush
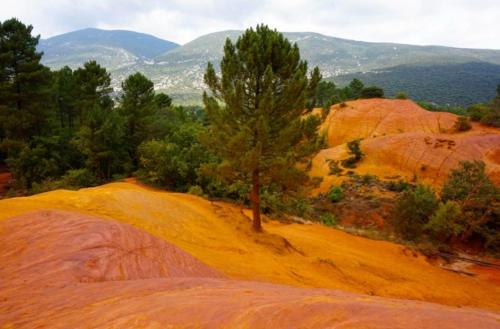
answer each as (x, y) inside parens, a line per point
(446, 221)
(413, 210)
(479, 199)
(372, 92)
(25, 84)
(65, 96)
(255, 110)
(137, 107)
(326, 90)
(355, 89)
(174, 161)
(92, 88)
(162, 100)
(101, 140)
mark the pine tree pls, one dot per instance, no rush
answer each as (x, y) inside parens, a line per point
(25, 84)
(162, 100)
(355, 88)
(92, 88)
(256, 107)
(100, 140)
(65, 96)
(137, 107)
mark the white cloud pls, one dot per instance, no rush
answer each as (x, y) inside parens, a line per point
(460, 23)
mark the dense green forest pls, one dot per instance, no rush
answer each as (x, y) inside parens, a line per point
(471, 82)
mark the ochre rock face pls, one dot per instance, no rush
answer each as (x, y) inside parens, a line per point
(370, 118)
(65, 269)
(402, 140)
(60, 246)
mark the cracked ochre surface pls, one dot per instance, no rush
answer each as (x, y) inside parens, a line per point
(402, 140)
(124, 256)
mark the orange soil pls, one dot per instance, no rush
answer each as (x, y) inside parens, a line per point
(400, 139)
(218, 234)
(69, 270)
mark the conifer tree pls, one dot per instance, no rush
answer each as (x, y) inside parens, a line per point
(25, 84)
(137, 107)
(65, 96)
(256, 107)
(92, 88)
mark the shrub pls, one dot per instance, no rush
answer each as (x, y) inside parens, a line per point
(368, 179)
(45, 186)
(479, 199)
(354, 150)
(335, 194)
(78, 178)
(492, 118)
(173, 162)
(401, 95)
(462, 124)
(397, 186)
(476, 112)
(413, 210)
(195, 190)
(334, 167)
(329, 219)
(372, 92)
(445, 222)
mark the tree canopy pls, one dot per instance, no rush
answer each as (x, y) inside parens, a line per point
(256, 110)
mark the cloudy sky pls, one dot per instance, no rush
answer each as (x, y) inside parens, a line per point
(460, 23)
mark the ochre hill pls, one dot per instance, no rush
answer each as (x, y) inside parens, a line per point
(83, 237)
(370, 118)
(402, 140)
(65, 269)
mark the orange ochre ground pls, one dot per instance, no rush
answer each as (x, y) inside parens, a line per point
(126, 256)
(401, 140)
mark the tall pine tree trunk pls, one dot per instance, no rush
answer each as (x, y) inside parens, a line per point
(255, 198)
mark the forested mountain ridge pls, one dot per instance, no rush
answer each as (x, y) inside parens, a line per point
(179, 70)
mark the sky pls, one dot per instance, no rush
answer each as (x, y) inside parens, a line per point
(456, 23)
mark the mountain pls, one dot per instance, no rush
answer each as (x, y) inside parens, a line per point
(179, 71)
(112, 48)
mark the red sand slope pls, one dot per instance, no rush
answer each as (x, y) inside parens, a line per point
(69, 270)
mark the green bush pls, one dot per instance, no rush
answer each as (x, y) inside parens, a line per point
(479, 199)
(445, 222)
(173, 162)
(401, 95)
(372, 92)
(462, 124)
(195, 190)
(492, 118)
(78, 178)
(354, 150)
(335, 194)
(413, 210)
(368, 179)
(334, 167)
(397, 186)
(329, 219)
(476, 112)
